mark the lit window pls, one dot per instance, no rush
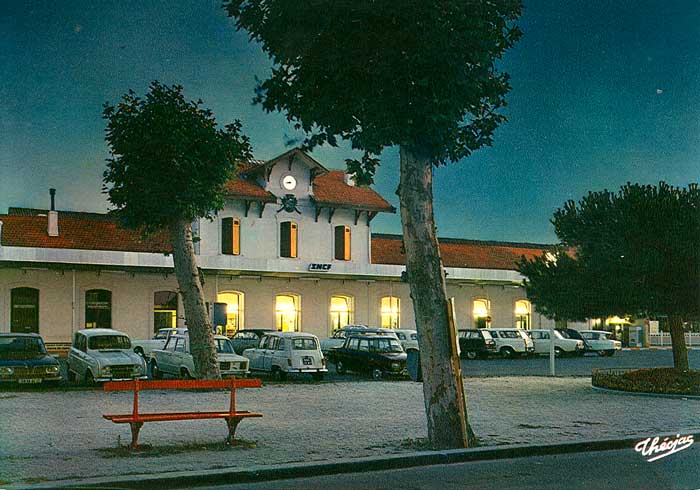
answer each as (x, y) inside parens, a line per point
(98, 308)
(390, 312)
(230, 236)
(288, 239)
(164, 310)
(481, 313)
(342, 242)
(341, 312)
(522, 314)
(287, 313)
(24, 310)
(234, 311)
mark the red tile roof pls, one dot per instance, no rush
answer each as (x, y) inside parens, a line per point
(387, 249)
(84, 231)
(242, 188)
(331, 189)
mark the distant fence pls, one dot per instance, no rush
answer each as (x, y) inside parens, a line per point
(664, 339)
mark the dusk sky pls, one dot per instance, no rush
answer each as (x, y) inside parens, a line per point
(604, 92)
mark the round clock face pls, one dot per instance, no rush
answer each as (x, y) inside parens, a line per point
(289, 182)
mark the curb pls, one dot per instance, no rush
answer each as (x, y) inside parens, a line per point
(641, 393)
(231, 476)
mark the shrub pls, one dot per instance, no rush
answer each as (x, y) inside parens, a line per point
(654, 380)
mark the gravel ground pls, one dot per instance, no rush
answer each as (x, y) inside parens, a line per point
(61, 434)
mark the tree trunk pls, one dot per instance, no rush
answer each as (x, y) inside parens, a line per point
(680, 351)
(202, 347)
(445, 406)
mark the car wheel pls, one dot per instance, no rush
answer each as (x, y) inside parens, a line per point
(507, 352)
(89, 378)
(602, 353)
(70, 375)
(155, 372)
(471, 355)
(558, 352)
(278, 374)
(317, 376)
(185, 374)
(340, 367)
(610, 353)
(377, 374)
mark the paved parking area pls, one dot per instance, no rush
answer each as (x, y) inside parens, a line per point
(48, 435)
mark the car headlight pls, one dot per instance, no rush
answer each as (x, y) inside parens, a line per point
(138, 369)
(395, 365)
(106, 371)
(52, 370)
(6, 371)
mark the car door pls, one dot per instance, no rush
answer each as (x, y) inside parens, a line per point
(269, 353)
(255, 355)
(595, 341)
(167, 358)
(361, 359)
(78, 362)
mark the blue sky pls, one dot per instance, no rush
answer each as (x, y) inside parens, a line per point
(604, 92)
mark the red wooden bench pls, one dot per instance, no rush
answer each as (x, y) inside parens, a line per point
(136, 419)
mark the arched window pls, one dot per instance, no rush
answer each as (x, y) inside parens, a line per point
(287, 312)
(98, 308)
(288, 239)
(342, 242)
(234, 311)
(24, 310)
(522, 314)
(164, 310)
(341, 311)
(390, 312)
(481, 312)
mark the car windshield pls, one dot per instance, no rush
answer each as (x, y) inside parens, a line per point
(104, 342)
(385, 345)
(12, 346)
(564, 334)
(223, 346)
(304, 343)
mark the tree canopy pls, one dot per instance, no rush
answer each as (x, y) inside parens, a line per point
(169, 159)
(415, 73)
(635, 251)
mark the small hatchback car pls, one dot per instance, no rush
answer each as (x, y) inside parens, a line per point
(378, 355)
(512, 341)
(24, 360)
(103, 354)
(283, 353)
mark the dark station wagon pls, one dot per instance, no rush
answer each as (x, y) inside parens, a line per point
(476, 343)
(24, 360)
(378, 355)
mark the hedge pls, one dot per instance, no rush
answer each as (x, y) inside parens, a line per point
(667, 381)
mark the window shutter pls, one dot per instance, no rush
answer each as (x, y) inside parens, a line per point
(342, 242)
(285, 243)
(236, 237)
(293, 240)
(227, 236)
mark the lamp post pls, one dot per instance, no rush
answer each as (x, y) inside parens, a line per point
(552, 371)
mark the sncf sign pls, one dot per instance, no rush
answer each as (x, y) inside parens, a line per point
(319, 267)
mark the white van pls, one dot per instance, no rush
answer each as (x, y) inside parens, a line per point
(512, 341)
(282, 353)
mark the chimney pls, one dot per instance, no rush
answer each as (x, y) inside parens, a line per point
(349, 179)
(53, 215)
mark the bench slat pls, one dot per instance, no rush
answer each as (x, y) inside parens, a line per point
(162, 417)
(178, 384)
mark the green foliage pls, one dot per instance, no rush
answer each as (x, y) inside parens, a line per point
(636, 251)
(169, 160)
(655, 380)
(379, 73)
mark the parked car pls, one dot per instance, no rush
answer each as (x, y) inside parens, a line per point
(144, 347)
(571, 333)
(407, 338)
(248, 338)
(24, 360)
(562, 345)
(176, 358)
(599, 341)
(378, 355)
(283, 353)
(474, 343)
(339, 336)
(103, 354)
(512, 341)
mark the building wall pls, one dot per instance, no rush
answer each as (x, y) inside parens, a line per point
(132, 300)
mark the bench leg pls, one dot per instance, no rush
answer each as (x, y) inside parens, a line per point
(232, 423)
(135, 428)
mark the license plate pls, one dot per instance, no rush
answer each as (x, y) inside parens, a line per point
(29, 381)
(307, 361)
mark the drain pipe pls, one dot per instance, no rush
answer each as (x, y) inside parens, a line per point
(72, 323)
